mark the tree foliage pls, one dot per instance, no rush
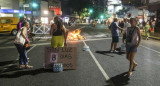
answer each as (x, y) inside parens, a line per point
(79, 5)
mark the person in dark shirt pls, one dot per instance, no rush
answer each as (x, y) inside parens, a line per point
(59, 33)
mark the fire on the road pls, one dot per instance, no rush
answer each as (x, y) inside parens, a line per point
(75, 35)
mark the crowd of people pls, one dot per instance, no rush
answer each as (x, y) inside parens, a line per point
(131, 37)
(129, 27)
(58, 32)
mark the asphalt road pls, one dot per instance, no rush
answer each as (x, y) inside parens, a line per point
(96, 67)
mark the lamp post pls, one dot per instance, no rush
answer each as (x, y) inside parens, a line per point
(33, 5)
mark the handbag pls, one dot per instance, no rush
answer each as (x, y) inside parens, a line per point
(150, 29)
(27, 46)
(19, 38)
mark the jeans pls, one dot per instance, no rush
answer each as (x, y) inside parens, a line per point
(22, 54)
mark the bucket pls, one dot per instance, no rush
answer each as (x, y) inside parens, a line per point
(86, 48)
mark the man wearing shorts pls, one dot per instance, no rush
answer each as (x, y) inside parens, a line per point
(115, 34)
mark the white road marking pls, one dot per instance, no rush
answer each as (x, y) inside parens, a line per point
(7, 47)
(42, 37)
(99, 66)
(81, 27)
(26, 52)
(41, 44)
(150, 49)
(31, 48)
(97, 39)
(10, 64)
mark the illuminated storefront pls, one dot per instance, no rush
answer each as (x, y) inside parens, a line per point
(10, 12)
(154, 5)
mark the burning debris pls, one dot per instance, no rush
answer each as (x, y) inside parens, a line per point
(75, 35)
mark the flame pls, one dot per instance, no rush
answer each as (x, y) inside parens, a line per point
(75, 35)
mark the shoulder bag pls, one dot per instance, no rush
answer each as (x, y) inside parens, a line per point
(19, 38)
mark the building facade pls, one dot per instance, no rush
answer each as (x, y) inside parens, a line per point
(9, 8)
(113, 6)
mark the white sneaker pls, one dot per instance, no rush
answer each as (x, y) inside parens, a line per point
(115, 51)
(111, 51)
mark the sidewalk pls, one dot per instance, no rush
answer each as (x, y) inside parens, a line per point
(153, 35)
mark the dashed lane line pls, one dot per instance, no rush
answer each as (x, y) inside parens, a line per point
(99, 66)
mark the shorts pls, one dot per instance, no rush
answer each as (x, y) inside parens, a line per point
(131, 48)
(57, 41)
(124, 36)
(115, 39)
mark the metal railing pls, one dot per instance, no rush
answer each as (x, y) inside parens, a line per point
(41, 29)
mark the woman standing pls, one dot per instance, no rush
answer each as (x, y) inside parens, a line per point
(147, 33)
(132, 43)
(23, 61)
(59, 33)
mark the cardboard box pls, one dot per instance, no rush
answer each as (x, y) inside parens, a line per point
(65, 55)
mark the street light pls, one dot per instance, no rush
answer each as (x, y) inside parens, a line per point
(90, 11)
(101, 16)
(34, 5)
(20, 14)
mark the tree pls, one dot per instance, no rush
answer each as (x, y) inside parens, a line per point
(79, 6)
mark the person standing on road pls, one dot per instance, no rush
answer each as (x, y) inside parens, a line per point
(115, 34)
(133, 39)
(59, 33)
(147, 33)
(23, 61)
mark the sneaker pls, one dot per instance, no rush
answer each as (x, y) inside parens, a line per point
(115, 51)
(111, 51)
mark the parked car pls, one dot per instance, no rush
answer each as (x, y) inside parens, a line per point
(9, 25)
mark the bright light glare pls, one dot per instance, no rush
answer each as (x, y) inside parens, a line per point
(45, 12)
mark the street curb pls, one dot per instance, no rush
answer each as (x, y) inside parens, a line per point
(152, 37)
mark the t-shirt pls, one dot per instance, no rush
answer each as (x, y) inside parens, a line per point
(114, 29)
(132, 31)
(126, 25)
